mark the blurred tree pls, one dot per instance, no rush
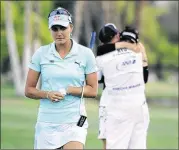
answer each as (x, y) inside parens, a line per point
(138, 15)
(169, 21)
(20, 46)
(18, 29)
(35, 33)
(43, 32)
(109, 13)
(161, 52)
(27, 40)
(124, 19)
(35, 36)
(12, 48)
(89, 16)
(39, 28)
(93, 20)
(79, 9)
(126, 11)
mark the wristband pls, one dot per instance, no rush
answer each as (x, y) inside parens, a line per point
(47, 94)
(67, 91)
(81, 91)
(63, 91)
(145, 73)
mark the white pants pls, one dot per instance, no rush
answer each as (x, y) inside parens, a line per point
(102, 122)
(53, 136)
(126, 126)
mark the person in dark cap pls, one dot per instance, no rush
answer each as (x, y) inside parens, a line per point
(108, 35)
(123, 112)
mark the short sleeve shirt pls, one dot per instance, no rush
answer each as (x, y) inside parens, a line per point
(59, 73)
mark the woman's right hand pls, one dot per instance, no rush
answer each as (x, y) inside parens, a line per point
(55, 96)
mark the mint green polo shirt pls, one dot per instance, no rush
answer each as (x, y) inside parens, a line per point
(59, 73)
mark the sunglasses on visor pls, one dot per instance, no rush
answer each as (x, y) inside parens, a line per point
(59, 12)
(55, 28)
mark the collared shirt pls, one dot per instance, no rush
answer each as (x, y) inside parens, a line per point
(59, 73)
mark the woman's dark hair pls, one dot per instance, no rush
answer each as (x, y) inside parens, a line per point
(107, 33)
(129, 34)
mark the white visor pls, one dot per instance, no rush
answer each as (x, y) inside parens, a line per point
(62, 20)
(129, 34)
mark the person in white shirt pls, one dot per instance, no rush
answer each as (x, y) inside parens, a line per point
(108, 35)
(127, 115)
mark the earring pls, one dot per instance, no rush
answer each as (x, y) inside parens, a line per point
(70, 35)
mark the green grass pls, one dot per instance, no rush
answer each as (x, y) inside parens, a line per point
(162, 90)
(154, 90)
(18, 119)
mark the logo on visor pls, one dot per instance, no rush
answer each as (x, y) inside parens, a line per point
(56, 18)
(61, 17)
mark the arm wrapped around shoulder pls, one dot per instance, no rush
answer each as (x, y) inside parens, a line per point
(144, 54)
(104, 49)
(145, 73)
